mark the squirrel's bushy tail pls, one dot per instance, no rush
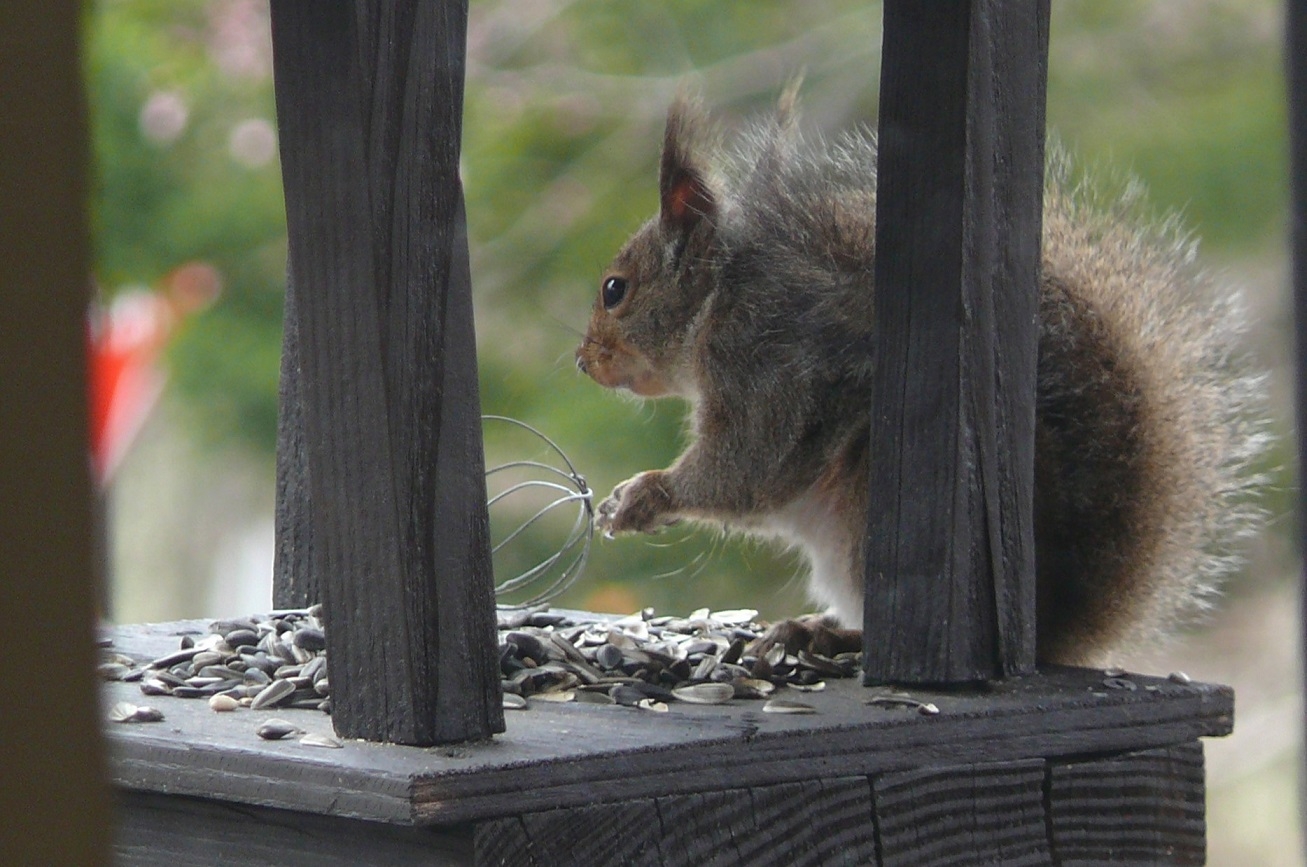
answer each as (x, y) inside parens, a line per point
(1148, 418)
(1148, 412)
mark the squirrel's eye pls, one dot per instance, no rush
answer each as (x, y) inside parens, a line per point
(614, 290)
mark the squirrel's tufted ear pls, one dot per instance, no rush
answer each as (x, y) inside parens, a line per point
(686, 192)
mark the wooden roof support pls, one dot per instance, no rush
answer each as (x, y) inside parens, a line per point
(382, 505)
(950, 559)
(1296, 57)
(55, 801)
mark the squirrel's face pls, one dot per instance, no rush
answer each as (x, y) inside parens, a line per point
(622, 347)
(650, 297)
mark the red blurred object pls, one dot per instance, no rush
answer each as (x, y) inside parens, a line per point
(125, 341)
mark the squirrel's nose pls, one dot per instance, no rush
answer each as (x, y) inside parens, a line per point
(580, 362)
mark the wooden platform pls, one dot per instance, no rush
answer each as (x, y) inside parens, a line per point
(1064, 766)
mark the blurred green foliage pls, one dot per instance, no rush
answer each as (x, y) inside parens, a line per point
(173, 87)
(563, 120)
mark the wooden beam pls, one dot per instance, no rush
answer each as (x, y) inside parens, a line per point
(55, 801)
(1146, 807)
(369, 103)
(1296, 62)
(950, 554)
(568, 755)
(173, 830)
(990, 813)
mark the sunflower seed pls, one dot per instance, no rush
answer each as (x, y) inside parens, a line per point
(780, 705)
(126, 712)
(560, 695)
(735, 616)
(184, 655)
(627, 695)
(816, 686)
(587, 696)
(609, 656)
(223, 702)
(310, 639)
(705, 693)
(113, 670)
(280, 660)
(275, 728)
(241, 638)
(273, 694)
(749, 687)
(123, 711)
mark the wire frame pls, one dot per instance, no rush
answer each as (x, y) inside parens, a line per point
(528, 495)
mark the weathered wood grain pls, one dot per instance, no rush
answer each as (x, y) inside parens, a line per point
(625, 834)
(808, 823)
(703, 827)
(1136, 808)
(847, 835)
(1142, 808)
(783, 831)
(973, 814)
(369, 99)
(814, 822)
(170, 831)
(950, 569)
(554, 756)
(502, 843)
(293, 577)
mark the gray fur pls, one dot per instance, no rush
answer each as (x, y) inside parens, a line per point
(759, 311)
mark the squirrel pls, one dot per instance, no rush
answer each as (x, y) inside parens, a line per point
(750, 295)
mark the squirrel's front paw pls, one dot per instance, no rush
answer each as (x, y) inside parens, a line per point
(640, 504)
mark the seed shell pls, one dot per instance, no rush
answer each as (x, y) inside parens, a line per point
(275, 728)
(223, 703)
(273, 694)
(780, 705)
(705, 693)
(126, 712)
(560, 695)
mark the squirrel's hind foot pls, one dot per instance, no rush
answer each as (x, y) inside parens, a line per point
(812, 633)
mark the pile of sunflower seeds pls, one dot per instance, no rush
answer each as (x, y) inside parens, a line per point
(278, 660)
(263, 661)
(646, 661)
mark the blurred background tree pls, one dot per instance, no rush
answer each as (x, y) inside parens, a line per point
(564, 108)
(565, 100)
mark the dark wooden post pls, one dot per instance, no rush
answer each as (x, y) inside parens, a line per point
(382, 482)
(1296, 56)
(950, 560)
(55, 801)
(292, 567)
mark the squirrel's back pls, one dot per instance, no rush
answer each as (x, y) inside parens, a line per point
(1147, 413)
